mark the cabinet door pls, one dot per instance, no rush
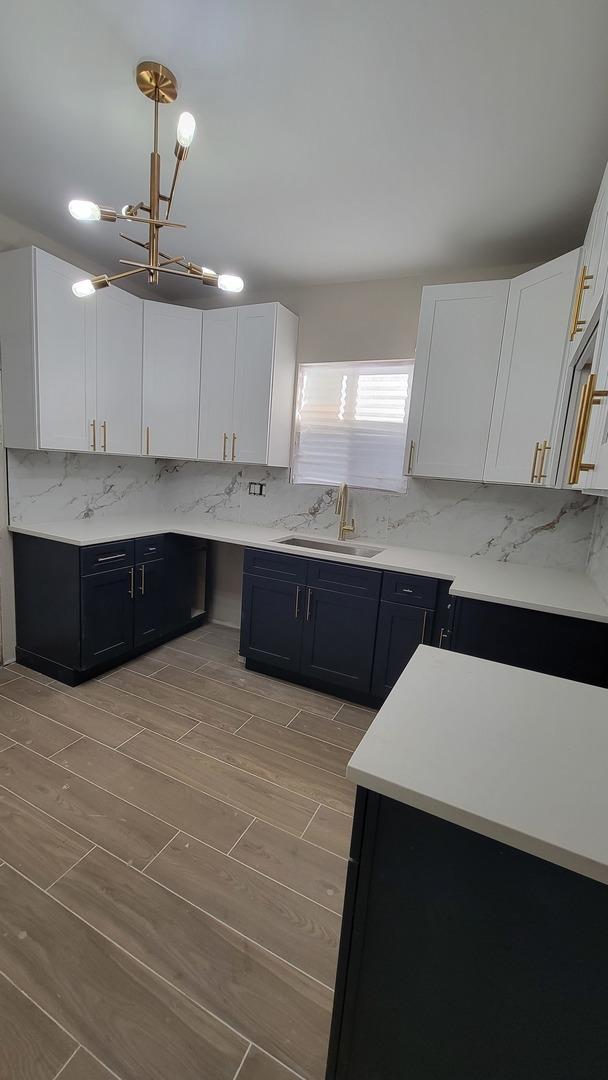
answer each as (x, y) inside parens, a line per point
(594, 260)
(172, 368)
(217, 385)
(401, 629)
(65, 329)
(106, 616)
(119, 371)
(457, 353)
(338, 639)
(253, 381)
(271, 621)
(530, 375)
(149, 607)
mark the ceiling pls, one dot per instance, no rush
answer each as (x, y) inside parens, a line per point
(337, 140)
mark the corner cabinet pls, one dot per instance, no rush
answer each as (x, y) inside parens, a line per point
(457, 353)
(247, 384)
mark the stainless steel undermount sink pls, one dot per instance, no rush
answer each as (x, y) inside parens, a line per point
(355, 550)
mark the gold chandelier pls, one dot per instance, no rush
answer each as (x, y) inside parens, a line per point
(160, 85)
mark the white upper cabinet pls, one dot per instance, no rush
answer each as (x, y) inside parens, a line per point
(457, 353)
(48, 353)
(217, 384)
(524, 441)
(119, 372)
(593, 266)
(171, 380)
(247, 384)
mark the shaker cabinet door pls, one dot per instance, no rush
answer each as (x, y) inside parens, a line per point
(338, 640)
(171, 380)
(119, 371)
(524, 446)
(65, 334)
(271, 621)
(457, 353)
(106, 616)
(217, 385)
(253, 382)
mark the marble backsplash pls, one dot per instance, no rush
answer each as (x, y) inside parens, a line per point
(598, 555)
(514, 524)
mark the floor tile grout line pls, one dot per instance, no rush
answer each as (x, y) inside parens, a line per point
(70, 868)
(8, 746)
(66, 1063)
(66, 747)
(316, 738)
(119, 745)
(243, 1060)
(246, 830)
(15, 676)
(236, 731)
(130, 693)
(310, 822)
(37, 1005)
(195, 694)
(293, 718)
(147, 966)
(163, 848)
(186, 899)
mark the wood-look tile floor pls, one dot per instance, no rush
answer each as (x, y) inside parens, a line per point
(173, 844)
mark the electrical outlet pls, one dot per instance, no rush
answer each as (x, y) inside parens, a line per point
(257, 488)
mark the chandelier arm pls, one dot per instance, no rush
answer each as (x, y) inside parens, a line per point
(163, 269)
(150, 221)
(178, 162)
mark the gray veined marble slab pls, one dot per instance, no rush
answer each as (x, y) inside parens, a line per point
(598, 555)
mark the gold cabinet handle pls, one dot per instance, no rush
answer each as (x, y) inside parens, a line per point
(308, 604)
(410, 460)
(297, 610)
(104, 428)
(93, 435)
(544, 447)
(589, 397)
(142, 583)
(147, 440)
(131, 589)
(576, 323)
(534, 461)
(233, 446)
(225, 449)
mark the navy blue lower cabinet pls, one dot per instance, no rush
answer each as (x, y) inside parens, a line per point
(401, 629)
(149, 597)
(107, 616)
(79, 610)
(271, 621)
(338, 639)
(464, 959)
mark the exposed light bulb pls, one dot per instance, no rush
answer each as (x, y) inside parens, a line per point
(186, 126)
(83, 210)
(230, 283)
(83, 288)
(207, 270)
(126, 210)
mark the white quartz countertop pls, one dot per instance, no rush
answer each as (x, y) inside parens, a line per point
(517, 585)
(511, 754)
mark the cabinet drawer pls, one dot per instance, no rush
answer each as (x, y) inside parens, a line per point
(272, 565)
(410, 589)
(106, 557)
(149, 547)
(344, 578)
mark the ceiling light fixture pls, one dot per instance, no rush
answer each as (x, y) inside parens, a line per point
(160, 85)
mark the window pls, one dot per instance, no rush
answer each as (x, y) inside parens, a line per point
(351, 421)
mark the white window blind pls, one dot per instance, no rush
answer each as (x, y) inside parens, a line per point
(351, 421)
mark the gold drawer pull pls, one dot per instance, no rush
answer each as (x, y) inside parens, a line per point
(104, 428)
(93, 435)
(541, 468)
(233, 445)
(225, 450)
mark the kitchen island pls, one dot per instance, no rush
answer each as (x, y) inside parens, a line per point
(475, 935)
